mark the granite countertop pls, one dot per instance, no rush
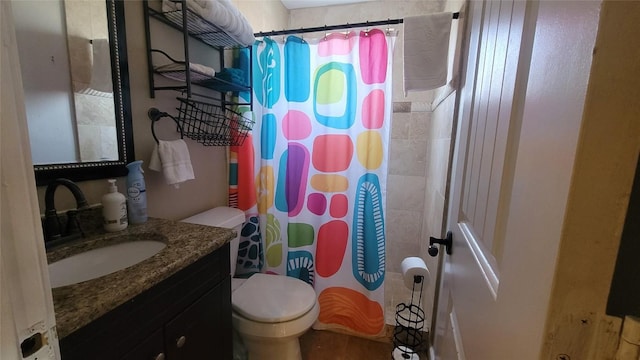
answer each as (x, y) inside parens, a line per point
(79, 304)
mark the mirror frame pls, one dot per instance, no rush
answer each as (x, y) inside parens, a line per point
(122, 99)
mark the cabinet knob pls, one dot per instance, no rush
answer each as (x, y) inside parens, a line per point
(181, 341)
(159, 357)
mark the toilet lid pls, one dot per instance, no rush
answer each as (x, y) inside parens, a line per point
(273, 298)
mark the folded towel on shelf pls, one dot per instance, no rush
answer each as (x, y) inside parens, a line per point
(232, 75)
(426, 49)
(172, 158)
(175, 71)
(221, 13)
(101, 83)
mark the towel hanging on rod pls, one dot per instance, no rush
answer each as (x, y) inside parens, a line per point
(155, 115)
(170, 157)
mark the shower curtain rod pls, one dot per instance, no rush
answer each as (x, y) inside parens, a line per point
(336, 27)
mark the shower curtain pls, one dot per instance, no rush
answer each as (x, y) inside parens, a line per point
(311, 177)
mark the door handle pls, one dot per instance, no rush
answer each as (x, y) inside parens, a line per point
(447, 242)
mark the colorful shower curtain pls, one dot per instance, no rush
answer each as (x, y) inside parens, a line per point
(311, 177)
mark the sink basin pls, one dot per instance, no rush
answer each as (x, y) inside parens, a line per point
(102, 261)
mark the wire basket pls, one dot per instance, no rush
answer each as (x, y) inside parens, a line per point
(212, 124)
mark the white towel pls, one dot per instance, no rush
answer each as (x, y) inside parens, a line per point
(101, 81)
(426, 49)
(221, 13)
(172, 158)
(175, 71)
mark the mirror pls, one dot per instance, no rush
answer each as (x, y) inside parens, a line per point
(76, 82)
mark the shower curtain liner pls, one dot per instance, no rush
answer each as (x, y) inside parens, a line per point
(311, 178)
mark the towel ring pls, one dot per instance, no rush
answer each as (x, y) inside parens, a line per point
(155, 115)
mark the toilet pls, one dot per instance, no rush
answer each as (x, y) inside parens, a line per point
(270, 312)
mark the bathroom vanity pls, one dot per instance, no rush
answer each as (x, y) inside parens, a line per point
(174, 305)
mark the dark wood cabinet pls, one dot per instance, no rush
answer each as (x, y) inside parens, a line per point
(151, 348)
(187, 316)
(202, 330)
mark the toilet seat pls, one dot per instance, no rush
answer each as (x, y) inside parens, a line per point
(273, 298)
(275, 331)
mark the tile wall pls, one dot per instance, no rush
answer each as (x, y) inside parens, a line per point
(416, 193)
(406, 183)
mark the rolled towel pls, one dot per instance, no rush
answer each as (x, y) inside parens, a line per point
(172, 158)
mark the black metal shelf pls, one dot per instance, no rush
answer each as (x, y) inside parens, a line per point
(197, 27)
(207, 119)
(212, 83)
(177, 71)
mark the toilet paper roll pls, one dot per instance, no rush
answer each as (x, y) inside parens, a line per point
(414, 266)
(403, 352)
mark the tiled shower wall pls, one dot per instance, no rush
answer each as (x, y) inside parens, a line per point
(421, 144)
(416, 190)
(406, 183)
(406, 186)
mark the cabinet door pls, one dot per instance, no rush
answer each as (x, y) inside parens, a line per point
(152, 348)
(204, 328)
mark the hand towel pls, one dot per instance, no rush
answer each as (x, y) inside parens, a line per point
(426, 50)
(172, 158)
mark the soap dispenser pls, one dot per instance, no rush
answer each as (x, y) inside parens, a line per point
(114, 209)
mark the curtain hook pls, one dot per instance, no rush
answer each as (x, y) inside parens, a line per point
(325, 32)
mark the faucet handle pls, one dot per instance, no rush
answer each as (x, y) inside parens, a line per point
(73, 224)
(51, 225)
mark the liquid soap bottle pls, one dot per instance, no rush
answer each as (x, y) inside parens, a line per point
(114, 209)
(136, 192)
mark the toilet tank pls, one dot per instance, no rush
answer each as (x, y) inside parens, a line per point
(224, 217)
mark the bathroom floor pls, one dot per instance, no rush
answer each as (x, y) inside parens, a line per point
(328, 345)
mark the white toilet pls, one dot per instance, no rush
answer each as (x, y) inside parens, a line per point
(270, 312)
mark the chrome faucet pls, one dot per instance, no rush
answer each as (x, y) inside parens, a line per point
(52, 226)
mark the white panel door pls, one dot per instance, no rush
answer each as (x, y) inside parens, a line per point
(26, 306)
(481, 180)
(519, 118)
